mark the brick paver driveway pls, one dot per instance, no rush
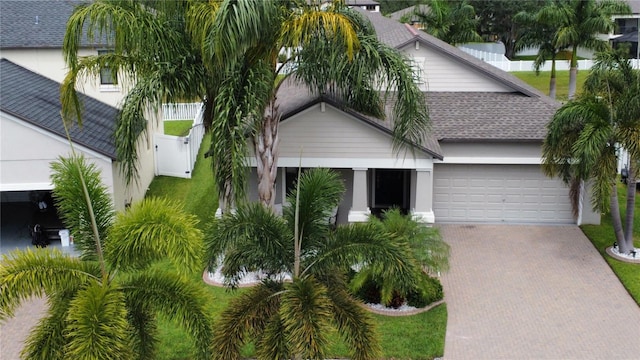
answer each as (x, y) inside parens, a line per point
(534, 292)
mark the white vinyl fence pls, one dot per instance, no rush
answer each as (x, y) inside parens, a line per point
(176, 155)
(501, 62)
(180, 111)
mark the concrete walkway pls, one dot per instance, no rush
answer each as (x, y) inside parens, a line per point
(534, 292)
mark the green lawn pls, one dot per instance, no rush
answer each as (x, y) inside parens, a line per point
(418, 336)
(541, 81)
(177, 127)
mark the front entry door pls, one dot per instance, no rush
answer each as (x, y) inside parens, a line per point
(390, 189)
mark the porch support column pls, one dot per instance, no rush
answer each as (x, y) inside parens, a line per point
(424, 196)
(359, 211)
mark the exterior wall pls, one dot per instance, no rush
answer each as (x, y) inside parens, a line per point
(491, 153)
(26, 153)
(442, 73)
(50, 63)
(330, 138)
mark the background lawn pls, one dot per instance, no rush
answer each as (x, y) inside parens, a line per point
(177, 127)
(541, 81)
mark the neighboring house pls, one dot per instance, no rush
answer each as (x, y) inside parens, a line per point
(480, 164)
(628, 28)
(31, 37)
(368, 5)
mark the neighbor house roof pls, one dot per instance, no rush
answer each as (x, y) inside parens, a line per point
(294, 97)
(472, 116)
(35, 99)
(398, 35)
(36, 24)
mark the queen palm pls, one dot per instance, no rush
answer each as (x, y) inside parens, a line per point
(585, 136)
(582, 23)
(107, 308)
(291, 316)
(226, 52)
(539, 30)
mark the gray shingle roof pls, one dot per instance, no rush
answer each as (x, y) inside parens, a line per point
(36, 99)
(294, 98)
(490, 116)
(35, 24)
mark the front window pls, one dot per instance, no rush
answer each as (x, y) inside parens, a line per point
(107, 76)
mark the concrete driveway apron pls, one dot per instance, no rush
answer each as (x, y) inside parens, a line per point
(534, 292)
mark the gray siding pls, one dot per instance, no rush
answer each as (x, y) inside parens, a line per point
(442, 73)
(332, 134)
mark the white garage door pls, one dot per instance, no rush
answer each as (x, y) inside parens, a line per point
(499, 194)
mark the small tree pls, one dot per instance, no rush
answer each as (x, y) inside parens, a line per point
(586, 135)
(107, 308)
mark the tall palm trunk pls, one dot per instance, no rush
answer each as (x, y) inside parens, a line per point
(552, 80)
(573, 73)
(616, 220)
(631, 201)
(266, 144)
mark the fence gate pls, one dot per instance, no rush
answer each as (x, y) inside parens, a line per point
(173, 156)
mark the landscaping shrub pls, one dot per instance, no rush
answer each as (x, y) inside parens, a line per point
(429, 291)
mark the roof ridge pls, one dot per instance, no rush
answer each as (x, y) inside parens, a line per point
(411, 29)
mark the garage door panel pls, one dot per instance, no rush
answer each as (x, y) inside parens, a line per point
(499, 193)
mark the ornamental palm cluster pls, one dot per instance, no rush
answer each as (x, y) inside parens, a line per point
(292, 316)
(106, 307)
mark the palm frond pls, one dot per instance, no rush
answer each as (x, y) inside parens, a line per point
(355, 325)
(174, 296)
(40, 272)
(252, 238)
(97, 325)
(305, 312)
(251, 312)
(155, 229)
(66, 176)
(46, 340)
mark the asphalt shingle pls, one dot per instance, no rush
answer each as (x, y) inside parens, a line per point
(36, 24)
(36, 99)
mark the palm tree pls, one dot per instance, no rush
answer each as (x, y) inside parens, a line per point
(108, 308)
(453, 22)
(539, 30)
(292, 315)
(582, 23)
(226, 52)
(153, 56)
(585, 136)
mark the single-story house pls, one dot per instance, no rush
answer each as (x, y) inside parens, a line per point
(481, 163)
